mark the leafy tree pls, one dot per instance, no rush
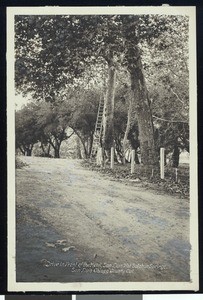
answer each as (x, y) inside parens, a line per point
(84, 118)
(27, 133)
(53, 122)
(167, 76)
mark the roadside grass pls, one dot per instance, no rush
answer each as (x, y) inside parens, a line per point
(19, 164)
(143, 177)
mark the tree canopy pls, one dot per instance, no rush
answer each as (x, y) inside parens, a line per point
(70, 60)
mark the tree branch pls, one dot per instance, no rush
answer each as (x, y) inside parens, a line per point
(170, 121)
(70, 135)
(177, 96)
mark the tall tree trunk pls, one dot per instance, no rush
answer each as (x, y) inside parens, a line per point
(139, 90)
(142, 107)
(129, 122)
(108, 124)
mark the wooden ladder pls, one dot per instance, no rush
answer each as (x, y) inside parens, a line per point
(98, 127)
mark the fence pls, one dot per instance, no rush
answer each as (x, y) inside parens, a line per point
(133, 165)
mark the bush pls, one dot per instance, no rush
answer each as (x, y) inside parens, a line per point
(19, 163)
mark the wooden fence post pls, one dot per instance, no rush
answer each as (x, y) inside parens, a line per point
(99, 156)
(176, 175)
(112, 157)
(132, 161)
(162, 150)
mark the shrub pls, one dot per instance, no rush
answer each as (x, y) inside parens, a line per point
(19, 163)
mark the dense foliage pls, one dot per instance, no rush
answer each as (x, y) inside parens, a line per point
(66, 63)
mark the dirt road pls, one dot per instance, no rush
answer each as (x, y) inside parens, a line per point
(76, 225)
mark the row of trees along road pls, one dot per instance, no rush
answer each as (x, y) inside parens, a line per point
(139, 63)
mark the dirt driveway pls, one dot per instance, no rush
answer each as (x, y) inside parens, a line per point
(77, 225)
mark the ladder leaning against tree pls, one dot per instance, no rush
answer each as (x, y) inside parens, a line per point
(98, 128)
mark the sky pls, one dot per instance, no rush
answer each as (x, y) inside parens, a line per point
(19, 102)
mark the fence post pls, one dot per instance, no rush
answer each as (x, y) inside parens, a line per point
(112, 157)
(132, 161)
(162, 150)
(176, 174)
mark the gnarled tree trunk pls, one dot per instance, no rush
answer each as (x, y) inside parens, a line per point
(128, 125)
(108, 117)
(139, 90)
(108, 122)
(142, 107)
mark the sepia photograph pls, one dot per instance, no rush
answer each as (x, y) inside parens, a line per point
(102, 148)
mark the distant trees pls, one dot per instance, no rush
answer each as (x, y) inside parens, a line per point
(41, 122)
(27, 133)
(52, 123)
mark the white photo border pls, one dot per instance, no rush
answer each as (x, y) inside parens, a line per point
(14, 286)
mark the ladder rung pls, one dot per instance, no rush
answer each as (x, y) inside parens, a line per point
(98, 126)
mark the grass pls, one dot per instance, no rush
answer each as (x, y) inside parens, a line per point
(144, 177)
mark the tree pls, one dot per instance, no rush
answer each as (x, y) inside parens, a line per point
(133, 35)
(167, 76)
(84, 117)
(53, 122)
(27, 133)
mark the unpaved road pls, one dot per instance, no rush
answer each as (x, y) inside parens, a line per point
(77, 225)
